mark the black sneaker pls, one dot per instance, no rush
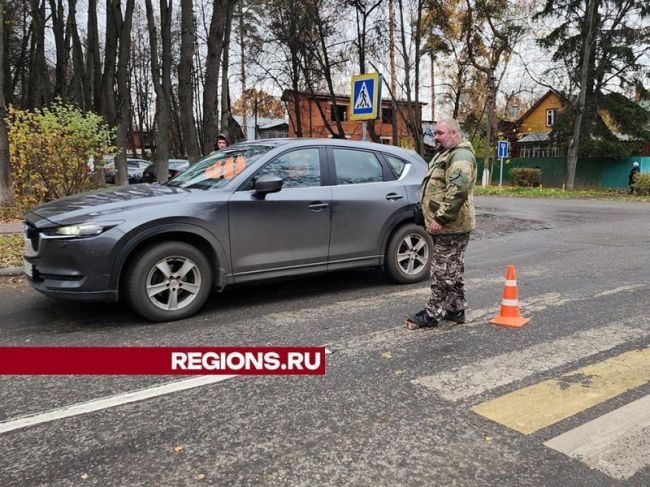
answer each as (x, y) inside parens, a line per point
(456, 316)
(421, 319)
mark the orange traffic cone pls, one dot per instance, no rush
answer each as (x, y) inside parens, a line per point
(509, 313)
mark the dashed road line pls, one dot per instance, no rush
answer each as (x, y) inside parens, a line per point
(109, 402)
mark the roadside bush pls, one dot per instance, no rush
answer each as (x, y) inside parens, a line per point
(49, 152)
(526, 176)
(642, 184)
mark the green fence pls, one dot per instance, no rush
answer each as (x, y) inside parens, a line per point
(590, 173)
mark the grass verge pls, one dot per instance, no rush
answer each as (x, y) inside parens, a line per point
(602, 193)
(11, 250)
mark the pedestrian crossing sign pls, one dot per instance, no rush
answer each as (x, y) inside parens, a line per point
(365, 96)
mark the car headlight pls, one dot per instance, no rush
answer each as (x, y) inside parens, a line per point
(80, 230)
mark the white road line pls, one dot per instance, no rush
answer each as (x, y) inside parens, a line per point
(484, 375)
(617, 443)
(109, 402)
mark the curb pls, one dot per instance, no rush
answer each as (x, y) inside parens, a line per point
(11, 271)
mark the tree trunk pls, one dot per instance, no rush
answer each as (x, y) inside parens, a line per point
(242, 64)
(113, 21)
(93, 90)
(212, 67)
(225, 84)
(574, 142)
(161, 83)
(6, 196)
(123, 32)
(79, 80)
(393, 71)
(38, 89)
(185, 96)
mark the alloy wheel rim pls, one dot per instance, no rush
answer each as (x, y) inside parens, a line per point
(173, 283)
(412, 254)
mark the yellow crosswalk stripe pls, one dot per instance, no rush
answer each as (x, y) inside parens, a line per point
(535, 407)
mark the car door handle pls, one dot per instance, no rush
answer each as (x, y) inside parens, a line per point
(394, 196)
(318, 205)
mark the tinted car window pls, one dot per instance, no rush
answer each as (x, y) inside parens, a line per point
(398, 165)
(298, 169)
(220, 167)
(354, 167)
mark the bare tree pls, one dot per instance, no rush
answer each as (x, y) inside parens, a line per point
(493, 30)
(123, 32)
(37, 93)
(212, 69)
(161, 75)
(185, 96)
(6, 197)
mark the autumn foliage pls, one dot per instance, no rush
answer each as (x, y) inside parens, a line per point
(50, 150)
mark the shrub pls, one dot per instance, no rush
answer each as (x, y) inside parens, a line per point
(642, 184)
(526, 176)
(49, 152)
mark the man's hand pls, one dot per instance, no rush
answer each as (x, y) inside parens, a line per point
(435, 227)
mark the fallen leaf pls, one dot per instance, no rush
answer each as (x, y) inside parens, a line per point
(178, 448)
(84, 476)
(488, 439)
(387, 355)
(200, 476)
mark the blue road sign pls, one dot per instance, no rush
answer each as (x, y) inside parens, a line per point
(502, 149)
(365, 96)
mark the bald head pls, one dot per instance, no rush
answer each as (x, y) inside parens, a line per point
(447, 134)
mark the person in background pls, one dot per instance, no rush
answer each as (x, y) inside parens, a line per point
(222, 141)
(631, 180)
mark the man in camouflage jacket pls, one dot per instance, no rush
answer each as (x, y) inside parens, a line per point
(448, 207)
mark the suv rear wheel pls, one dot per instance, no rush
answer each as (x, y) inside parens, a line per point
(408, 256)
(168, 281)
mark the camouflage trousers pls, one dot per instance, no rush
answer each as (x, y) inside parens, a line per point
(447, 269)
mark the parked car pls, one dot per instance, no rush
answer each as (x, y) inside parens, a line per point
(175, 167)
(257, 210)
(135, 167)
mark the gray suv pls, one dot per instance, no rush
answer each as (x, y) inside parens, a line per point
(253, 211)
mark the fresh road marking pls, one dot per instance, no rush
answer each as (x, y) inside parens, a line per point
(538, 406)
(109, 402)
(617, 443)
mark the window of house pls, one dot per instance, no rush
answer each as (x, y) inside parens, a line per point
(355, 166)
(514, 111)
(387, 115)
(343, 111)
(551, 117)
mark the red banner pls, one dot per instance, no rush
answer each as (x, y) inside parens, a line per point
(162, 360)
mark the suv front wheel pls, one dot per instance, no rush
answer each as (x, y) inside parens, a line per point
(168, 281)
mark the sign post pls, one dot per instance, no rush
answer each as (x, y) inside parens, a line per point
(365, 99)
(502, 153)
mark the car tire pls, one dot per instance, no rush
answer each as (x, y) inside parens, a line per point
(408, 255)
(168, 281)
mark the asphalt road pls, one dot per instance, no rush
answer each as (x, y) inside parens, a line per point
(561, 401)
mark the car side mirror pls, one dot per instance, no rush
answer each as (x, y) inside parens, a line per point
(267, 184)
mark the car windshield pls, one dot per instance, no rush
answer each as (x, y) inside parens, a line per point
(219, 168)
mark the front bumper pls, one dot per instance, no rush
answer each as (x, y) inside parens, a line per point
(75, 268)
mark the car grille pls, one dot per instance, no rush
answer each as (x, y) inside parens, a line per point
(32, 238)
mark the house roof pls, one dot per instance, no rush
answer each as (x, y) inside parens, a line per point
(536, 104)
(535, 137)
